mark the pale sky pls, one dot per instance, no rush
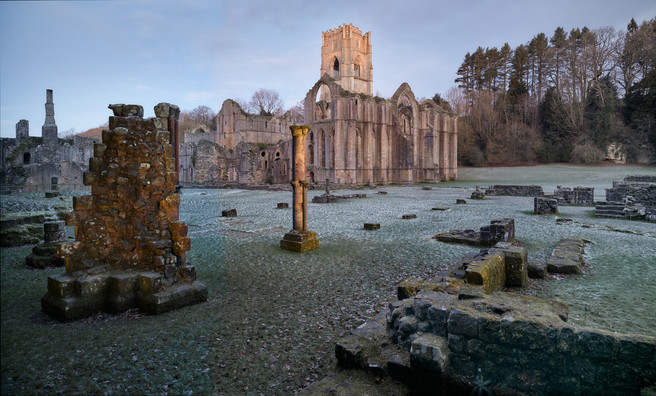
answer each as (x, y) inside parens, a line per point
(201, 52)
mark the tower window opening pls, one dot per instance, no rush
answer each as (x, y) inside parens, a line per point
(336, 68)
(356, 70)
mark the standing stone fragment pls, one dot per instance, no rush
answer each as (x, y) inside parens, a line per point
(130, 248)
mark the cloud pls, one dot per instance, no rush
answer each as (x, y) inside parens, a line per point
(200, 96)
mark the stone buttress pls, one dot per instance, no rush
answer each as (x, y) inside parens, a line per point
(130, 247)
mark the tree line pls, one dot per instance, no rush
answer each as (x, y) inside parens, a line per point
(563, 98)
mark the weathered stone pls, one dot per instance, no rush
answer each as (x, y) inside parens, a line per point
(371, 226)
(429, 352)
(544, 205)
(229, 213)
(567, 257)
(537, 269)
(408, 288)
(489, 272)
(515, 258)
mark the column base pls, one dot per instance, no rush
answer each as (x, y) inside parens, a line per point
(299, 241)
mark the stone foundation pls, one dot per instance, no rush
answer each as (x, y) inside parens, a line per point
(130, 248)
(455, 336)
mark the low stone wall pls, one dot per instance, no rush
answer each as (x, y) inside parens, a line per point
(517, 190)
(578, 196)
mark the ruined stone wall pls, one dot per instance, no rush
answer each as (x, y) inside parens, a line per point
(130, 247)
(369, 140)
(578, 196)
(641, 189)
(235, 126)
(519, 344)
(517, 190)
(44, 163)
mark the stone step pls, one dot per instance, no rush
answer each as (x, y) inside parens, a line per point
(609, 215)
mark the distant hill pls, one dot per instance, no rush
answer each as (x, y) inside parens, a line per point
(93, 132)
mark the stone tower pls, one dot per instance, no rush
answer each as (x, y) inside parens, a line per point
(346, 57)
(22, 129)
(49, 129)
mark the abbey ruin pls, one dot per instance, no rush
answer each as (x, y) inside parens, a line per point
(355, 138)
(44, 163)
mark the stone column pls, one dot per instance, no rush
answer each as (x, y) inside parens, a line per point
(299, 239)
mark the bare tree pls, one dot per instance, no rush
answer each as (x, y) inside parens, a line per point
(267, 102)
(246, 106)
(296, 113)
(202, 115)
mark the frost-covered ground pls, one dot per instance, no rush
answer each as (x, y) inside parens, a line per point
(616, 292)
(272, 318)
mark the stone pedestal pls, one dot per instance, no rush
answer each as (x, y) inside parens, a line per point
(299, 239)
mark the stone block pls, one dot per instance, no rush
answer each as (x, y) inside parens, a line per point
(537, 269)
(174, 297)
(83, 202)
(516, 269)
(178, 228)
(163, 137)
(462, 323)
(150, 282)
(229, 213)
(187, 273)
(88, 178)
(408, 288)
(349, 352)
(438, 316)
(61, 286)
(429, 352)
(545, 205)
(488, 272)
(91, 285)
(99, 150)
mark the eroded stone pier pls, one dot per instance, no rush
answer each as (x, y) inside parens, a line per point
(130, 248)
(299, 239)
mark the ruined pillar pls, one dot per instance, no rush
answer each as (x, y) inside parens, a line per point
(22, 129)
(49, 129)
(299, 239)
(130, 247)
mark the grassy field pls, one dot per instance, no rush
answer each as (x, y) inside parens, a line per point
(272, 318)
